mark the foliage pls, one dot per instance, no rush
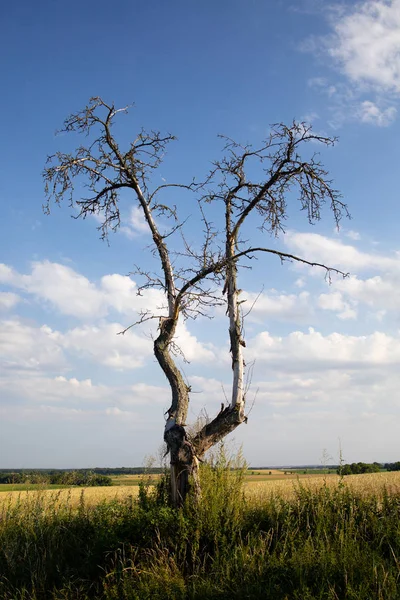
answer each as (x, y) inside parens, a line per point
(359, 468)
(393, 466)
(56, 477)
(327, 544)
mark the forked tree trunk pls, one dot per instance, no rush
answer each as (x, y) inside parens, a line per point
(184, 452)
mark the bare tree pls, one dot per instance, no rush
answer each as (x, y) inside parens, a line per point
(206, 276)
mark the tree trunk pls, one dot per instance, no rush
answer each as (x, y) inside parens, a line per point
(185, 453)
(233, 415)
(184, 463)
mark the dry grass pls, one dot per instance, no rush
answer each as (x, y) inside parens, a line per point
(367, 484)
(71, 496)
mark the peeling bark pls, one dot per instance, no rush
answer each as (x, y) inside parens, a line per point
(184, 462)
(212, 433)
(235, 334)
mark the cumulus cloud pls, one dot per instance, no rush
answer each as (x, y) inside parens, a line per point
(305, 377)
(120, 293)
(60, 286)
(26, 346)
(104, 346)
(378, 292)
(23, 346)
(369, 112)
(334, 302)
(192, 349)
(34, 390)
(335, 253)
(313, 351)
(286, 307)
(8, 300)
(73, 294)
(366, 44)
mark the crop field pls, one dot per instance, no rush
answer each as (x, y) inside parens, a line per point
(258, 485)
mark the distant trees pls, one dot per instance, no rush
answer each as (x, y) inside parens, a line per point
(393, 466)
(11, 477)
(79, 478)
(359, 468)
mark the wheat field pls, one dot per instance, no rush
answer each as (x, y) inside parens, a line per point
(285, 487)
(367, 484)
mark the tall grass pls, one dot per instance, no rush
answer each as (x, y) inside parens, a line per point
(329, 543)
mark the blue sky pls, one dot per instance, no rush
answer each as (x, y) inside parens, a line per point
(72, 392)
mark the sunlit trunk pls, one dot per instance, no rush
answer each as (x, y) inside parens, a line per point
(184, 463)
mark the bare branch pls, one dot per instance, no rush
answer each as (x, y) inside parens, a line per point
(145, 316)
(194, 277)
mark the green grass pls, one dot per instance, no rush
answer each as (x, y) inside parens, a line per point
(23, 487)
(329, 544)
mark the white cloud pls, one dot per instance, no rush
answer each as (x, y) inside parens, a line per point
(334, 302)
(121, 293)
(334, 253)
(366, 44)
(353, 235)
(300, 282)
(369, 112)
(8, 300)
(136, 224)
(193, 350)
(104, 346)
(36, 390)
(378, 292)
(287, 307)
(74, 294)
(313, 351)
(6, 273)
(59, 285)
(25, 347)
(144, 393)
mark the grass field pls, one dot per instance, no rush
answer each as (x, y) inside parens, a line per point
(251, 536)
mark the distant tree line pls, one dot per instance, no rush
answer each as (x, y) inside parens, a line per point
(359, 468)
(393, 466)
(96, 470)
(79, 478)
(128, 470)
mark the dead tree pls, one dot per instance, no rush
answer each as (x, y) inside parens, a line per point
(209, 275)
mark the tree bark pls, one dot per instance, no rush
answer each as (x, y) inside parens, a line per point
(233, 415)
(184, 462)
